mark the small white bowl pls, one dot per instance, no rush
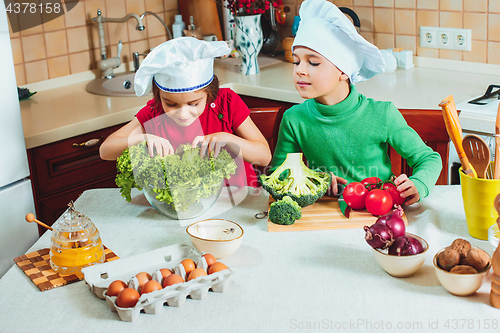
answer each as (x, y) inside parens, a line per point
(219, 237)
(460, 284)
(401, 266)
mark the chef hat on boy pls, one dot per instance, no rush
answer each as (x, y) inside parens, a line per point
(179, 65)
(326, 30)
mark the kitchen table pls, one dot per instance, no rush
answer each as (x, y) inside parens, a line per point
(290, 281)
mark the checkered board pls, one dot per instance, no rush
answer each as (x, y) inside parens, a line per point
(36, 265)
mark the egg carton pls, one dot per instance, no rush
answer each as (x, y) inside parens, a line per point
(99, 277)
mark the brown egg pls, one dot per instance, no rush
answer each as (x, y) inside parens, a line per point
(210, 259)
(196, 272)
(218, 266)
(115, 287)
(172, 279)
(165, 272)
(143, 277)
(127, 298)
(150, 286)
(188, 265)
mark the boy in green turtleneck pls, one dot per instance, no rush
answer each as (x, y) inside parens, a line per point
(337, 128)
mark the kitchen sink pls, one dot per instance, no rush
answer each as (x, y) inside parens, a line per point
(121, 85)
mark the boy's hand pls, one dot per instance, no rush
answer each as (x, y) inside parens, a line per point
(407, 189)
(336, 180)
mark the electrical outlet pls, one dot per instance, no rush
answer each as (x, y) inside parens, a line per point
(445, 38)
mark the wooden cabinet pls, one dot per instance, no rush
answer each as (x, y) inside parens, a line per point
(62, 170)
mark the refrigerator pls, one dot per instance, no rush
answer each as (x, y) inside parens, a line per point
(16, 196)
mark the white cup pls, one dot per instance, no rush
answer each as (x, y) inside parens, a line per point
(210, 38)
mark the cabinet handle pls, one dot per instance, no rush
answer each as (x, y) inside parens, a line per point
(89, 143)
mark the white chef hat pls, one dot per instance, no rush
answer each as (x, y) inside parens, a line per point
(326, 30)
(179, 65)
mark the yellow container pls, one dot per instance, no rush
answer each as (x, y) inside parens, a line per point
(478, 195)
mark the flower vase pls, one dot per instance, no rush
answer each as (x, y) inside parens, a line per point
(248, 42)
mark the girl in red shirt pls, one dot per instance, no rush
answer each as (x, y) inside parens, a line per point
(189, 107)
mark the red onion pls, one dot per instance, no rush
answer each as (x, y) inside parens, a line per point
(394, 222)
(406, 246)
(378, 236)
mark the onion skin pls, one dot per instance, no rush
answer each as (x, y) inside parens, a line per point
(406, 246)
(378, 236)
(394, 220)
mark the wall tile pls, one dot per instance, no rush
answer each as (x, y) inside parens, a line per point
(58, 67)
(365, 17)
(91, 7)
(154, 42)
(140, 46)
(76, 16)
(405, 21)
(135, 6)
(33, 48)
(404, 3)
(20, 75)
(55, 24)
(368, 36)
(79, 62)
(452, 55)
(56, 43)
(383, 20)
(493, 27)
(426, 52)
(476, 5)
(478, 53)
(14, 22)
(384, 41)
(477, 22)
(427, 18)
(427, 4)
(134, 34)
(36, 71)
(368, 3)
(450, 5)
(154, 28)
(383, 3)
(117, 32)
(450, 19)
(17, 50)
(155, 6)
(78, 39)
(116, 9)
(493, 53)
(407, 43)
(170, 5)
(494, 6)
(24, 22)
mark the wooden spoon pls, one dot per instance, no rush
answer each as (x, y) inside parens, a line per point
(30, 218)
(478, 153)
(496, 174)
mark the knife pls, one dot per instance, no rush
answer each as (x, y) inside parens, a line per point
(454, 130)
(496, 174)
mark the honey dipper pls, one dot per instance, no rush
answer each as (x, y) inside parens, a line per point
(30, 218)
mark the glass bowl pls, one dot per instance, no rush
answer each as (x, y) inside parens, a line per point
(494, 235)
(178, 210)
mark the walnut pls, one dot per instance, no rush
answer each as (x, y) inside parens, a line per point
(477, 258)
(462, 246)
(448, 258)
(463, 269)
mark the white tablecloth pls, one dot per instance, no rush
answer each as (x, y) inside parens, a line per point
(310, 281)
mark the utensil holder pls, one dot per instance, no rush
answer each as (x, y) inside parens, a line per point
(479, 196)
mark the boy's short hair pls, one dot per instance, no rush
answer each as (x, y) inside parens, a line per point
(212, 91)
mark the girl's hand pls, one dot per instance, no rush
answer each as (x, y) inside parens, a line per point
(407, 189)
(213, 142)
(162, 146)
(336, 180)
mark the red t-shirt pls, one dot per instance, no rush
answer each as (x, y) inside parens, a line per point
(225, 114)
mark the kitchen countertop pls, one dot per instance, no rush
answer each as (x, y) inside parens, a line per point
(57, 113)
(282, 281)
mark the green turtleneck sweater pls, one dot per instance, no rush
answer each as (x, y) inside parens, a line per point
(351, 140)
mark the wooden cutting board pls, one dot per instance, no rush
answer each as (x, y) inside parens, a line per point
(205, 15)
(325, 214)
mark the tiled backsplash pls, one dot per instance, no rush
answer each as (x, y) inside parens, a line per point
(70, 44)
(396, 23)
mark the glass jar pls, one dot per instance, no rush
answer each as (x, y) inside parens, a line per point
(75, 243)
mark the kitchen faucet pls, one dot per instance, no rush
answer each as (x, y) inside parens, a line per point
(106, 65)
(159, 19)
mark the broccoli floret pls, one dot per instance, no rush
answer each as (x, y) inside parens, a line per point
(294, 179)
(285, 211)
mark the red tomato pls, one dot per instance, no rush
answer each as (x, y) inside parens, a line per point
(371, 180)
(354, 195)
(395, 194)
(378, 202)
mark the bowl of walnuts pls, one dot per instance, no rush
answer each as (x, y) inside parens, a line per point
(461, 268)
